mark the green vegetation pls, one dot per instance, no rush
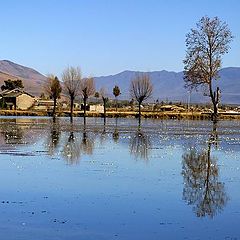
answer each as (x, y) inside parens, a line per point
(53, 89)
(116, 93)
(12, 84)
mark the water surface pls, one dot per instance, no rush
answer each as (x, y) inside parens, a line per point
(166, 180)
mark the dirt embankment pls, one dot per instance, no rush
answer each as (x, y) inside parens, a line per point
(125, 114)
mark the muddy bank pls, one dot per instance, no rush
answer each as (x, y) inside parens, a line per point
(126, 114)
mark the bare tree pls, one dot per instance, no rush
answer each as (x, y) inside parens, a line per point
(53, 89)
(205, 46)
(87, 90)
(116, 93)
(71, 79)
(105, 99)
(141, 89)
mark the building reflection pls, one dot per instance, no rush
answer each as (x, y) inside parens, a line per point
(16, 131)
(202, 187)
(140, 145)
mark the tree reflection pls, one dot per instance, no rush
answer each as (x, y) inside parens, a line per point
(55, 134)
(202, 187)
(87, 144)
(71, 150)
(139, 145)
(103, 133)
(115, 134)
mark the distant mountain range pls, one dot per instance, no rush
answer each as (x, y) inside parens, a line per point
(167, 85)
(170, 85)
(33, 81)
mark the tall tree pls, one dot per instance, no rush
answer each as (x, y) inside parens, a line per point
(116, 93)
(105, 99)
(205, 47)
(141, 89)
(12, 84)
(87, 89)
(71, 80)
(53, 89)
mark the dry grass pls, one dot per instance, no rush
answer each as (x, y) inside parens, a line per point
(124, 114)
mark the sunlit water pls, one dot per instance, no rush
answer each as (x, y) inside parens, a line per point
(166, 180)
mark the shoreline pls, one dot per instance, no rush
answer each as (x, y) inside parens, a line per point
(127, 114)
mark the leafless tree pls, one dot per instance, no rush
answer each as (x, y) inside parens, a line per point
(141, 89)
(53, 89)
(104, 96)
(87, 90)
(71, 79)
(205, 46)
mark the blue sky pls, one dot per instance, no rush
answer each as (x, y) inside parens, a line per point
(105, 37)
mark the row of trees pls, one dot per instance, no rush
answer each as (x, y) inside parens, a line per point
(206, 44)
(73, 86)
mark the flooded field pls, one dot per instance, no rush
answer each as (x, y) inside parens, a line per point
(165, 180)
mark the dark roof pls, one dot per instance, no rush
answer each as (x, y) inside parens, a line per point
(14, 93)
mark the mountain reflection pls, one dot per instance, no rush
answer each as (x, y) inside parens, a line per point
(139, 145)
(202, 187)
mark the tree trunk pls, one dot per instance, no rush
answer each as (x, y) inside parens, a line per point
(116, 102)
(84, 106)
(214, 98)
(104, 108)
(139, 114)
(54, 107)
(71, 108)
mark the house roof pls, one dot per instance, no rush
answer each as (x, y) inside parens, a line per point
(14, 93)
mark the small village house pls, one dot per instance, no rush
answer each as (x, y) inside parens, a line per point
(43, 104)
(96, 108)
(16, 99)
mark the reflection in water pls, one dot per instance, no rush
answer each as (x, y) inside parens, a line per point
(202, 188)
(13, 132)
(54, 138)
(103, 133)
(140, 145)
(87, 144)
(71, 150)
(13, 135)
(115, 134)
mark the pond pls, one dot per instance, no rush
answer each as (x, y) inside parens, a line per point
(113, 180)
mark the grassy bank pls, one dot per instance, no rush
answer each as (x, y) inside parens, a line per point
(126, 114)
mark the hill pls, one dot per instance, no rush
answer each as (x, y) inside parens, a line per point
(170, 85)
(32, 80)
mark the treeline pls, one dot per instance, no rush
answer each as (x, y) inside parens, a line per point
(205, 46)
